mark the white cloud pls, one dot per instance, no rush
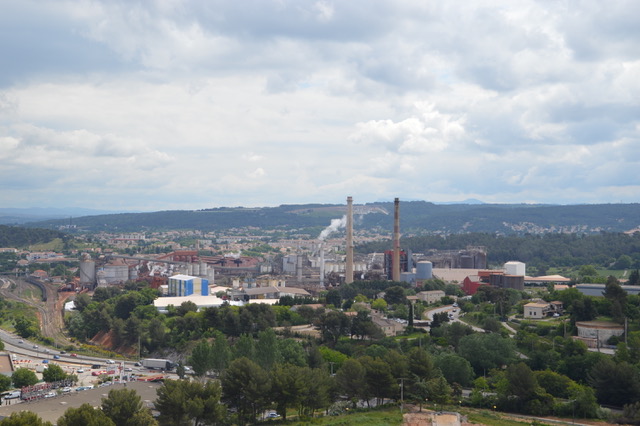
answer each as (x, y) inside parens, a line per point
(170, 104)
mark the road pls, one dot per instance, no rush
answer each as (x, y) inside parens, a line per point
(454, 316)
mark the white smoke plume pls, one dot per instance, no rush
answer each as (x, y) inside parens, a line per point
(335, 225)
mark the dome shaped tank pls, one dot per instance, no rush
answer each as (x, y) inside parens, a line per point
(424, 270)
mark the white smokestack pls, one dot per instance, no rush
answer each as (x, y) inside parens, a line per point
(349, 266)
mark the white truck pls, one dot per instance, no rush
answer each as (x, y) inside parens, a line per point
(157, 364)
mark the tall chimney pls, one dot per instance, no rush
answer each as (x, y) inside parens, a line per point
(348, 279)
(322, 264)
(395, 271)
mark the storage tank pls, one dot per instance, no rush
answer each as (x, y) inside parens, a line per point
(424, 270)
(407, 277)
(515, 268)
(87, 272)
(466, 261)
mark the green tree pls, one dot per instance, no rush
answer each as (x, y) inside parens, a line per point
(81, 301)
(618, 298)
(201, 358)
(24, 418)
(395, 296)
(246, 388)
(317, 392)
(23, 377)
(333, 298)
(615, 384)
(267, 351)
(439, 390)
(53, 373)
(554, 383)
(379, 380)
(292, 352)
(244, 348)
(332, 325)
(5, 383)
(379, 305)
(184, 402)
(486, 351)
(287, 387)
(125, 408)
(455, 369)
(220, 352)
(27, 327)
(351, 380)
(421, 364)
(85, 415)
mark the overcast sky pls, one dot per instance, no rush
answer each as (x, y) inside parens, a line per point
(156, 105)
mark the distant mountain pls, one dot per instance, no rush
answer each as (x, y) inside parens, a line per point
(417, 217)
(467, 201)
(17, 216)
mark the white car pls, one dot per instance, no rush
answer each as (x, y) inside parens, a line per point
(110, 361)
(80, 370)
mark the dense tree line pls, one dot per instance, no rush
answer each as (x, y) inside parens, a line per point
(19, 236)
(536, 371)
(417, 217)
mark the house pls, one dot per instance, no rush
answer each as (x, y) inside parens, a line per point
(471, 284)
(388, 326)
(431, 296)
(538, 310)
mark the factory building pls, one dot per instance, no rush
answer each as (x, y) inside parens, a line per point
(186, 285)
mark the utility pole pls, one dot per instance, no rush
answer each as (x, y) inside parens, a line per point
(401, 393)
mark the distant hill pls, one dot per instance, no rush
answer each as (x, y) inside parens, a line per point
(17, 216)
(419, 217)
(20, 237)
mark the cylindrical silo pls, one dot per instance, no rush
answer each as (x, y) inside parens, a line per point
(424, 270)
(88, 272)
(466, 262)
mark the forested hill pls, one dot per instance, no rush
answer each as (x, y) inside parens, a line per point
(416, 217)
(15, 236)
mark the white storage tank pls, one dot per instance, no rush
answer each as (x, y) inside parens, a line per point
(424, 270)
(515, 268)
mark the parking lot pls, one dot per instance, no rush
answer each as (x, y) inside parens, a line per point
(52, 408)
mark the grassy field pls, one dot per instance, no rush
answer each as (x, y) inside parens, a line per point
(382, 417)
(392, 416)
(11, 310)
(53, 245)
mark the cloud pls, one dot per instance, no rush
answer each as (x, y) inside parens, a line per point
(169, 104)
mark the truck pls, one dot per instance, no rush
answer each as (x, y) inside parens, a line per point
(157, 364)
